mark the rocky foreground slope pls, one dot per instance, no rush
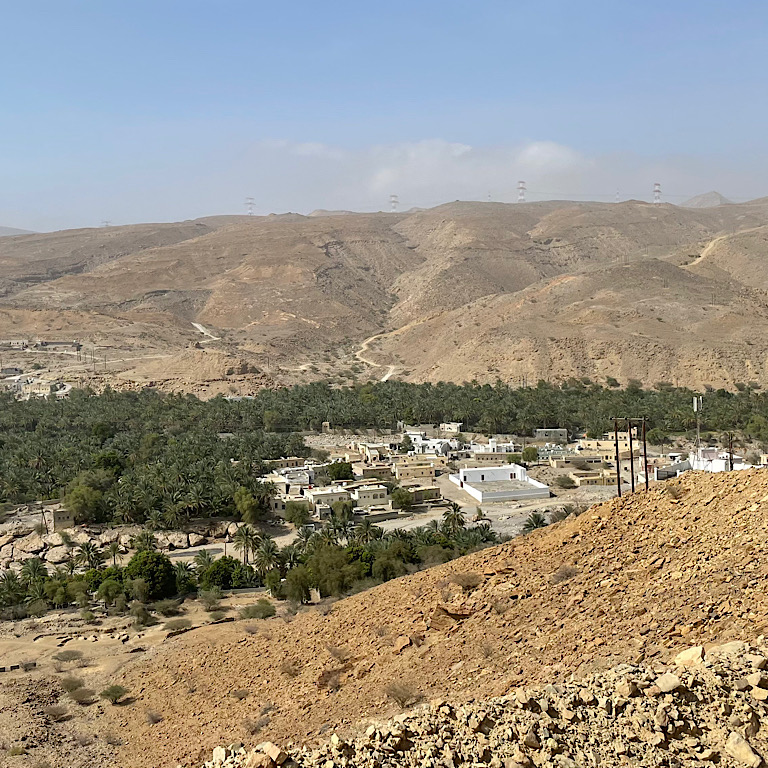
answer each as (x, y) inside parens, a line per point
(707, 709)
(631, 581)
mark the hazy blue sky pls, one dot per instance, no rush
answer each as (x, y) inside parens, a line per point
(163, 109)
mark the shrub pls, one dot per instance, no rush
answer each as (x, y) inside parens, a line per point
(252, 727)
(111, 739)
(37, 608)
(154, 717)
(220, 574)
(113, 693)
(340, 654)
(402, 694)
(330, 679)
(82, 696)
(70, 655)
(239, 694)
(141, 617)
(563, 573)
(167, 607)
(71, 683)
(290, 668)
(157, 572)
(87, 615)
(56, 712)
(216, 615)
(263, 609)
(175, 624)
(298, 583)
(674, 490)
(210, 598)
(467, 581)
(17, 750)
(563, 481)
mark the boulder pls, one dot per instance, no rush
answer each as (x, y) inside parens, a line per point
(177, 540)
(32, 544)
(220, 755)
(401, 643)
(195, 539)
(53, 539)
(6, 538)
(6, 552)
(57, 555)
(108, 536)
(668, 682)
(738, 748)
(232, 529)
(258, 760)
(81, 537)
(690, 657)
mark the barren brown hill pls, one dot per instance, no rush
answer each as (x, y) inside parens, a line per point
(631, 579)
(298, 295)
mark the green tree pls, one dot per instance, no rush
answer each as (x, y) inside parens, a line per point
(246, 540)
(340, 470)
(156, 570)
(533, 521)
(402, 499)
(298, 584)
(219, 574)
(297, 513)
(108, 591)
(530, 454)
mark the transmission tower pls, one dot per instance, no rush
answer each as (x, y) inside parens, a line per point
(394, 201)
(249, 203)
(520, 191)
(106, 223)
(657, 193)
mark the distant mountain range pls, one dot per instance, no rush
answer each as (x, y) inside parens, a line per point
(11, 231)
(463, 291)
(707, 200)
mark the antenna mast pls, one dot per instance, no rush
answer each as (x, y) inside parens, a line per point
(657, 193)
(394, 202)
(520, 191)
(249, 203)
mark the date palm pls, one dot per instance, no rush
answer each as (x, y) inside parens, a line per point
(114, 551)
(266, 557)
(453, 519)
(33, 571)
(203, 560)
(89, 555)
(246, 540)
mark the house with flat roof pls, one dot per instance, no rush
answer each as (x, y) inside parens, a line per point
(506, 483)
(370, 495)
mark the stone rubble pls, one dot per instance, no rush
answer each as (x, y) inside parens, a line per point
(707, 708)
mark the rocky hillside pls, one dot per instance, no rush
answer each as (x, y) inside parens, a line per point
(541, 290)
(707, 708)
(631, 581)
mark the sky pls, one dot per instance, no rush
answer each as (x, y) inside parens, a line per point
(163, 110)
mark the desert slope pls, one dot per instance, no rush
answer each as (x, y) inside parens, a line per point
(629, 580)
(461, 291)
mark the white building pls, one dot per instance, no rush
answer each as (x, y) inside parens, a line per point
(507, 483)
(451, 427)
(707, 460)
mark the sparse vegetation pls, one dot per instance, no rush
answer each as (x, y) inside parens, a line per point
(263, 609)
(154, 717)
(467, 581)
(68, 655)
(56, 712)
(113, 693)
(82, 696)
(175, 624)
(533, 521)
(210, 598)
(564, 573)
(71, 683)
(402, 694)
(290, 668)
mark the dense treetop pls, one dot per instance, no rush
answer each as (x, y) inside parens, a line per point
(133, 454)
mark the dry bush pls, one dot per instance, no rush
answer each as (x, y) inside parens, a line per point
(27, 665)
(488, 650)
(58, 666)
(325, 607)
(500, 607)
(330, 679)
(83, 662)
(382, 631)
(111, 739)
(239, 694)
(252, 727)
(175, 624)
(402, 694)
(251, 630)
(113, 693)
(467, 581)
(290, 668)
(84, 739)
(82, 696)
(341, 655)
(674, 490)
(216, 615)
(56, 712)
(70, 655)
(154, 717)
(71, 683)
(17, 750)
(563, 573)
(266, 708)
(167, 607)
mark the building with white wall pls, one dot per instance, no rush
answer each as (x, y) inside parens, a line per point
(507, 483)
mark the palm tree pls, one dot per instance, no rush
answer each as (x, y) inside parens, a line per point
(290, 556)
(33, 570)
(143, 541)
(453, 519)
(366, 531)
(266, 557)
(114, 551)
(203, 560)
(155, 520)
(184, 573)
(304, 537)
(534, 520)
(246, 540)
(89, 555)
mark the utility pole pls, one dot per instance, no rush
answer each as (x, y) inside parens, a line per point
(618, 463)
(645, 455)
(631, 457)
(730, 451)
(697, 403)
